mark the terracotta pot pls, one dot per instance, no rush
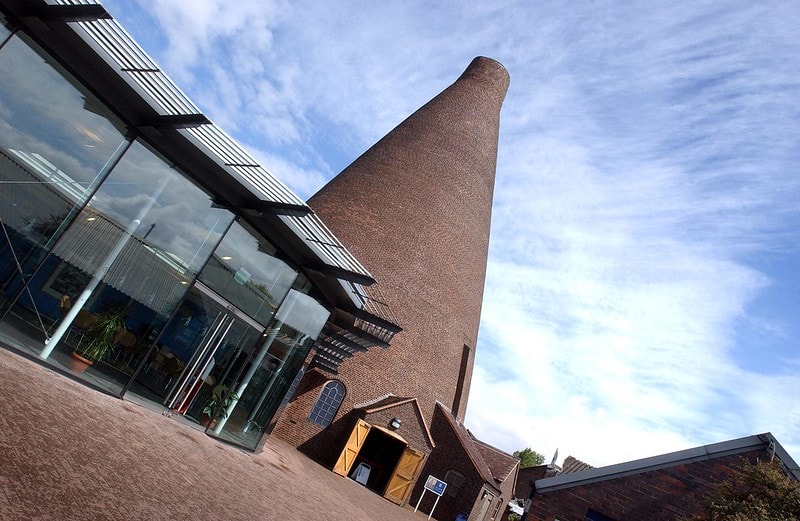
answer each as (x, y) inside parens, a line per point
(77, 363)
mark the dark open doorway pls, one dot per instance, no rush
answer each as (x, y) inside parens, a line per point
(379, 454)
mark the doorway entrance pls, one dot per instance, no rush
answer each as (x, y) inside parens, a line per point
(381, 460)
(200, 356)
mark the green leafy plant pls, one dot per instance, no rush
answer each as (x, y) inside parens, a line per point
(528, 457)
(217, 405)
(759, 491)
(102, 335)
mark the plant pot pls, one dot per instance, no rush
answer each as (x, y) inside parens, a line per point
(78, 364)
(208, 422)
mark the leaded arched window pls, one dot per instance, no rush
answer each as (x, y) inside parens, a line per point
(330, 398)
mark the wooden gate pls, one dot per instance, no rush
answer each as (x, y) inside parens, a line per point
(400, 483)
(351, 448)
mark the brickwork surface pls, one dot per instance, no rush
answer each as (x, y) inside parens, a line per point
(667, 494)
(416, 210)
(451, 454)
(68, 452)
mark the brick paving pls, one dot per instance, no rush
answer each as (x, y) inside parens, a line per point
(68, 452)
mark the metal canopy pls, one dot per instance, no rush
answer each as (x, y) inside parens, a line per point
(173, 111)
(82, 33)
(351, 332)
(338, 260)
(70, 12)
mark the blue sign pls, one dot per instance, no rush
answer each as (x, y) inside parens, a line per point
(435, 485)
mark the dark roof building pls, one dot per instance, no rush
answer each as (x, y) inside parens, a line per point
(668, 487)
(480, 478)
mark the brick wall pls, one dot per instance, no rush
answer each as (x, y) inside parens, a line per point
(411, 429)
(659, 495)
(416, 210)
(448, 455)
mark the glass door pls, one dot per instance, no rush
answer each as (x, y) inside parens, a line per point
(200, 356)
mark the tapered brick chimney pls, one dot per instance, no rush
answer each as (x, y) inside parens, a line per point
(416, 210)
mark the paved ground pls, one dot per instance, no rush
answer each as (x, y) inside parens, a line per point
(68, 452)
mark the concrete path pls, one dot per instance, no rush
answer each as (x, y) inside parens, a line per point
(68, 452)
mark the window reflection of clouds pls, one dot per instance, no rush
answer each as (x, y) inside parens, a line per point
(243, 249)
(185, 223)
(68, 134)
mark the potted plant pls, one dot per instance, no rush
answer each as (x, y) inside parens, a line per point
(102, 338)
(217, 405)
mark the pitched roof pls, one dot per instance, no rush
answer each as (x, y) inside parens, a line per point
(572, 464)
(764, 441)
(386, 403)
(493, 465)
(500, 463)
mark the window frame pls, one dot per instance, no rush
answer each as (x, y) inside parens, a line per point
(453, 489)
(322, 412)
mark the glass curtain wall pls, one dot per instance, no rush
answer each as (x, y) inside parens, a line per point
(56, 145)
(210, 342)
(247, 272)
(114, 265)
(244, 414)
(124, 264)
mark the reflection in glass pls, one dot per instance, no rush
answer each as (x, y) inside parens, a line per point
(132, 253)
(246, 272)
(56, 144)
(261, 388)
(204, 347)
(5, 32)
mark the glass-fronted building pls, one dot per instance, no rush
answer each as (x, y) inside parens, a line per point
(142, 250)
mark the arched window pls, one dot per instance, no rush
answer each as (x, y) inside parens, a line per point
(328, 403)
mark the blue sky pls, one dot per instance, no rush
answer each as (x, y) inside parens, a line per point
(642, 293)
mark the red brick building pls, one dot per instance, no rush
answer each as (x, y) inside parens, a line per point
(247, 304)
(480, 478)
(416, 209)
(660, 488)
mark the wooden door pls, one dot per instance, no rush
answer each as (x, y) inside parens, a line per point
(404, 474)
(351, 448)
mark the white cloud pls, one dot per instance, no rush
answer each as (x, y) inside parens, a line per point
(646, 186)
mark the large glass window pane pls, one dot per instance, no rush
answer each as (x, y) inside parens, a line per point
(246, 272)
(205, 345)
(173, 217)
(128, 258)
(257, 394)
(56, 142)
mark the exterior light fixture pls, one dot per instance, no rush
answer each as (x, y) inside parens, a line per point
(395, 423)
